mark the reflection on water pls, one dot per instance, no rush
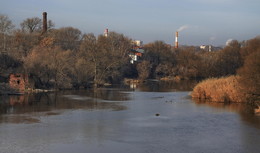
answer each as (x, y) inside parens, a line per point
(246, 111)
(54, 103)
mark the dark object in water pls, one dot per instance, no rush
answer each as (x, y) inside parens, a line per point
(157, 114)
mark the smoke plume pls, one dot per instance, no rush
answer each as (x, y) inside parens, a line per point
(183, 28)
(228, 42)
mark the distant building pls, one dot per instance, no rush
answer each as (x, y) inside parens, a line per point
(138, 43)
(136, 52)
(207, 47)
(135, 55)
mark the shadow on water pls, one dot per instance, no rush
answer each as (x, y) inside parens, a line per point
(22, 108)
(245, 111)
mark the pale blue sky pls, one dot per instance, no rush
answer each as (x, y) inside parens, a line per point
(208, 21)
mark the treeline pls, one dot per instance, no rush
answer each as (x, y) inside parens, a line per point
(161, 60)
(243, 86)
(66, 57)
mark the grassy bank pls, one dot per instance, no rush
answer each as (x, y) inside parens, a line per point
(225, 89)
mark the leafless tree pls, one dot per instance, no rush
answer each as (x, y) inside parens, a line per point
(250, 72)
(32, 25)
(143, 69)
(5, 28)
(105, 56)
(67, 38)
(50, 25)
(160, 55)
(54, 64)
(24, 42)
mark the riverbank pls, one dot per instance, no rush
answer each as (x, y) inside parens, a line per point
(5, 89)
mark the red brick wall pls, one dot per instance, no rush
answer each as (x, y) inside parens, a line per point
(18, 81)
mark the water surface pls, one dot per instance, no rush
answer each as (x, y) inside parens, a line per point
(124, 120)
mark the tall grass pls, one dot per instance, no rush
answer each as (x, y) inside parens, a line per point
(225, 89)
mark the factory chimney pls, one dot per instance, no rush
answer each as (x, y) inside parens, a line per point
(176, 39)
(106, 32)
(44, 26)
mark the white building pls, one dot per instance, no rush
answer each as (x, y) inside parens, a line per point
(206, 47)
(138, 43)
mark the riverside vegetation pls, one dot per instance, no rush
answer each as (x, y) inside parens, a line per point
(244, 86)
(66, 58)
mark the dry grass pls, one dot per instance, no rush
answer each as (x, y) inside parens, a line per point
(226, 89)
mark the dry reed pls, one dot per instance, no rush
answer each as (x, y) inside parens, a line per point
(225, 89)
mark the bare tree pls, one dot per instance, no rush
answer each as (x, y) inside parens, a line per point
(250, 71)
(106, 56)
(24, 42)
(159, 53)
(50, 25)
(67, 38)
(143, 69)
(5, 28)
(6, 24)
(31, 24)
(54, 64)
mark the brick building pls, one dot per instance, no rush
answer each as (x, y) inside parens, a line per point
(19, 82)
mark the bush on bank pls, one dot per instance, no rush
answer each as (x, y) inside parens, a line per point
(225, 89)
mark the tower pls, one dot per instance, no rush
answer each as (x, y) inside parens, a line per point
(176, 39)
(106, 32)
(44, 26)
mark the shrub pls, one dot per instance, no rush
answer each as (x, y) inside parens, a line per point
(226, 89)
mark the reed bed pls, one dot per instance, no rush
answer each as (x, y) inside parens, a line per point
(225, 90)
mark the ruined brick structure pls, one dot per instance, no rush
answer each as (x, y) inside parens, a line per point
(19, 82)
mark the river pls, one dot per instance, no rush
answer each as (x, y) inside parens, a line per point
(152, 118)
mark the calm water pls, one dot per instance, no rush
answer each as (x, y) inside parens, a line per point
(123, 120)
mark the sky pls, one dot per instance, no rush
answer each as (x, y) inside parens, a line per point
(202, 22)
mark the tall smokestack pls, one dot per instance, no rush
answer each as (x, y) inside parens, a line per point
(106, 32)
(44, 26)
(176, 39)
